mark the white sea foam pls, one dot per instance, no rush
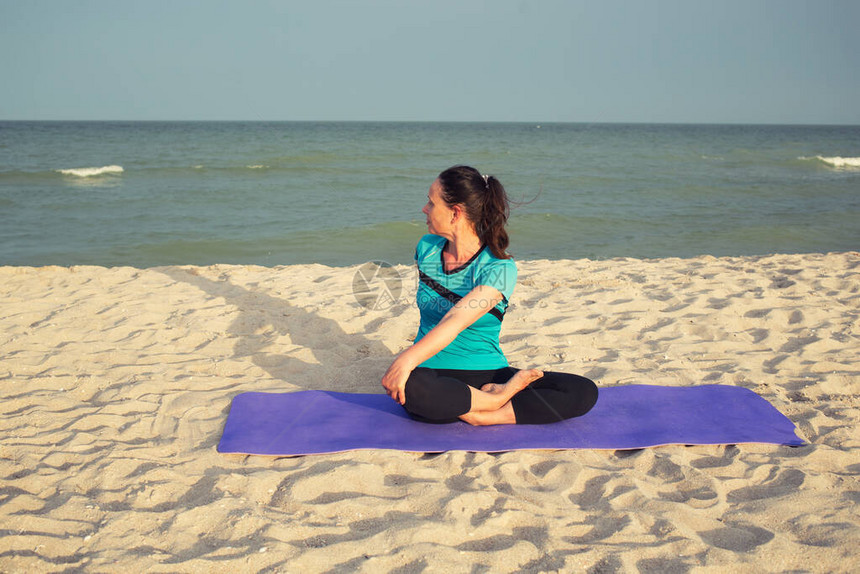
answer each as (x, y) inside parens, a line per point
(92, 171)
(841, 162)
(256, 166)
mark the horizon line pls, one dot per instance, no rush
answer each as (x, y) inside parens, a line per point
(538, 123)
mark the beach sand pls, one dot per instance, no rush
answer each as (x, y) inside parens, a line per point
(115, 385)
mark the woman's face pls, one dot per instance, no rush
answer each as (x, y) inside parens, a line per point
(439, 215)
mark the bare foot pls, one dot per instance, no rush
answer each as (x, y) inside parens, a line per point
(491, 404)
(502, 393)
(522, 379)
(493, 388)
(515, 384)
(502, 416)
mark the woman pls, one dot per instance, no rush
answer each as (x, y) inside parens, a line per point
(455, 368)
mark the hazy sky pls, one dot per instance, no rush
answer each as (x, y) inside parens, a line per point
(749, 61)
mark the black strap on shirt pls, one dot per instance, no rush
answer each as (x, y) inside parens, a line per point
(450, 295)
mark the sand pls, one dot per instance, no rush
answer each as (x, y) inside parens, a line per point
(116, 383)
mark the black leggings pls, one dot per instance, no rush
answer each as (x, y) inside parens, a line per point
(442, 395)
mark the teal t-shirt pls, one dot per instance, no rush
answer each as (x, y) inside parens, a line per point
(476, 347)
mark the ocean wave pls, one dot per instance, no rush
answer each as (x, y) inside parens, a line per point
(92, 171)
(839, 162)
(259, 166)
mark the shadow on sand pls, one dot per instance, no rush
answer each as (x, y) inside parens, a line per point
(322, 356)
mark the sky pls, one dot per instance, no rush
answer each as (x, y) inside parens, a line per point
(655, 61)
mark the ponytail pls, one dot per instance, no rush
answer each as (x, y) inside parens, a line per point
(494, 217)
(485, 202)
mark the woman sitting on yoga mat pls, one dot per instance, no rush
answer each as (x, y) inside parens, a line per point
(455, 368)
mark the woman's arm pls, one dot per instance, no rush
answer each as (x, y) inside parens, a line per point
(468, 310)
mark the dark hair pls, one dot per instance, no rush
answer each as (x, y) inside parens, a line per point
(485, 203)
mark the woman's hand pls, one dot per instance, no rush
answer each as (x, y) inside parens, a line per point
(394, 379)
(468, 310)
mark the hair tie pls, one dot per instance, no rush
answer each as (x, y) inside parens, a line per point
(486, 181)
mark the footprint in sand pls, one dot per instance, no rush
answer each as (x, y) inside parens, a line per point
(737, 537)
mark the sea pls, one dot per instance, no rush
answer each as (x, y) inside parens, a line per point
(147, 194)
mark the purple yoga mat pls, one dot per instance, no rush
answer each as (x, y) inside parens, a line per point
(625, 417)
